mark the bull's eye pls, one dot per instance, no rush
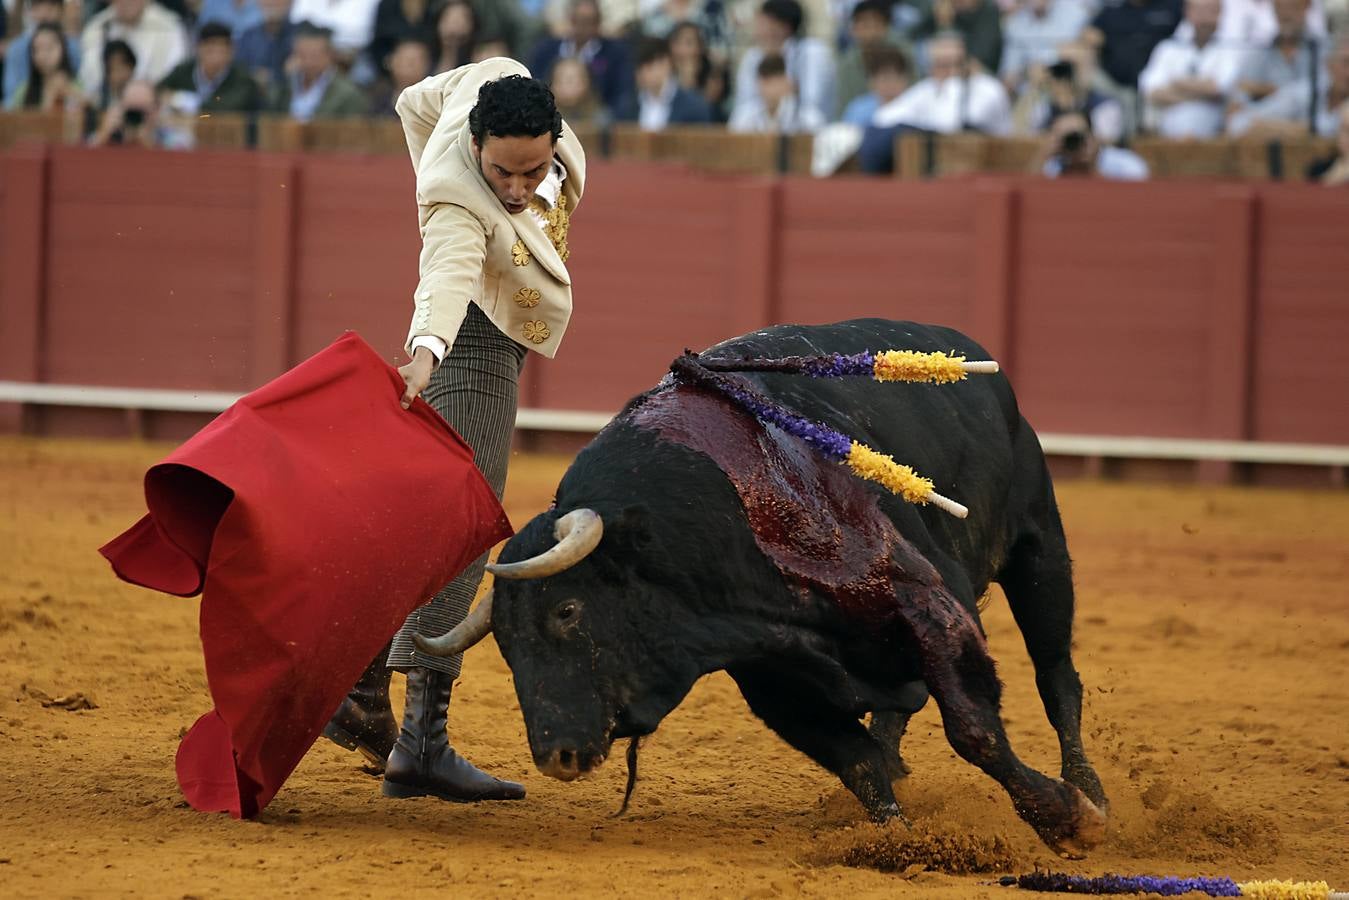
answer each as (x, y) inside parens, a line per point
(567, 612)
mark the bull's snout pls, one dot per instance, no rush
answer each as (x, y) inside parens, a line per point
(567, 764)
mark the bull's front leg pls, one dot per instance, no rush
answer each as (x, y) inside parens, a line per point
(832, 737)
(962, 679)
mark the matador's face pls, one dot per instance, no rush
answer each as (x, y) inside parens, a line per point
(515, 167)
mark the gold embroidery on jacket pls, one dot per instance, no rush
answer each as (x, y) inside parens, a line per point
(556, 221)
(527, 297)
(520, 254)
(536, 331)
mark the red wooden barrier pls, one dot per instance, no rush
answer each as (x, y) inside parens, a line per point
(1180, 309)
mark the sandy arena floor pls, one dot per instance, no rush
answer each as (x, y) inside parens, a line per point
(1212, 638)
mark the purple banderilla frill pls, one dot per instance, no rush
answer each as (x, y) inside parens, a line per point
(1126, 884)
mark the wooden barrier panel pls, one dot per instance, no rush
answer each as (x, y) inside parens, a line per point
(1110, 326)
(148, 271)
(40, 127)
(847, 249)
(656, 263)
(1301, 329)
(220, 131)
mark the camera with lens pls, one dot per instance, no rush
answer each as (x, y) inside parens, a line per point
(1072, 143)
(133, 117)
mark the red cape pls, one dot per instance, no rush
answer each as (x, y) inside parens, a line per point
(312, 516)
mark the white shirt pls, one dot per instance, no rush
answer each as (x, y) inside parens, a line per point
(158, 40)
(655, 108)
(352, 22)
(1251, 24)
(810, 64)
(1178, 57)
(1114, 163)
(548, 191)
(791, 118)
(950, 105)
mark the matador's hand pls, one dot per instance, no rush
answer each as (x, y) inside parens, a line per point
(417, 374)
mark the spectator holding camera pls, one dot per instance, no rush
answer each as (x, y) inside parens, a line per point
(1190, 76)
(131, 121)
(1068, 85)
(1070, 150)
(1032, 35)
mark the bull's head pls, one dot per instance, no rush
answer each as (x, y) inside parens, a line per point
(578, 625)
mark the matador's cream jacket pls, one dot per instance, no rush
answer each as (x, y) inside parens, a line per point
(473, 251)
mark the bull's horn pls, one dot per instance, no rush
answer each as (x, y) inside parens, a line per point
(474, 628)
(577, 533)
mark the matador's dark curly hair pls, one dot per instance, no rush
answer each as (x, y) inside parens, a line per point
(514, 106)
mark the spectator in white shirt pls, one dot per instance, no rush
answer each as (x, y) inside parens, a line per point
(153, 33)
(1071, 150)
(1253, 24)
(952, 98)
(809, 62)
(776, 109)
(352, 22)
(1303, 106)
(1191, 75)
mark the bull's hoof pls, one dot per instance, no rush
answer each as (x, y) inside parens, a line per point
(1084, 778)
(1088, 829)
(890, 813)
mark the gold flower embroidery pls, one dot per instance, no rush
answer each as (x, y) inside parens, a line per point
(536, 331)
(527, 297)
(558, 222)
(520, 254)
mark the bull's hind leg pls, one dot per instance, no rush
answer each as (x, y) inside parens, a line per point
(888, 727)
(1038, 582)
(832, 737)
(961, 677)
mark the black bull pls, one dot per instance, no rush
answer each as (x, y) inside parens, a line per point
(729, 545)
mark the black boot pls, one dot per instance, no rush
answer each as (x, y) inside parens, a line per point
(423, 763)
(364, 722)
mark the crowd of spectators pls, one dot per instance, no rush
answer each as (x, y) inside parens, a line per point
(1087, 76)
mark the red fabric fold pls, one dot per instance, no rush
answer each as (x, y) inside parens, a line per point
(312, 516)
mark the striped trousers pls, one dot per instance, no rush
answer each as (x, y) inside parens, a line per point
(476, 390)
